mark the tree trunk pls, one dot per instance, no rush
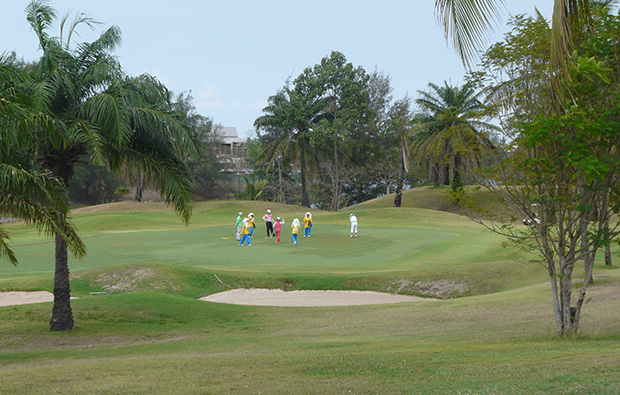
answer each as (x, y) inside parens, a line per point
(457, 183)
(446, 174)
(608, 245)
(62, 315)
(139, 186)
(557, 309)
(565, 298)
(305, 195)
(280, 192)
(398, 199)
(336, 180)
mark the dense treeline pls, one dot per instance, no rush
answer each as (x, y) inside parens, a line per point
(337, 132)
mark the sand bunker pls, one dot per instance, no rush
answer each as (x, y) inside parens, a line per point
(19, 297)
(277, 297)
(253, 297)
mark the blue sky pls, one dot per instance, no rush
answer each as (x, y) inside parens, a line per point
(233, 55)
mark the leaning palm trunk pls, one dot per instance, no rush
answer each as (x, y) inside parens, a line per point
(398, 199)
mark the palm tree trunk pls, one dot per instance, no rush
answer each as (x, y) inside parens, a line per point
(305, 195)
(139, 186)
(336, 183)
(280, 193)
(446, 174)
(398, 199)
(62, 315)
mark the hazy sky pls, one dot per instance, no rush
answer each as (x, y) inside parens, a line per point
(233, 55)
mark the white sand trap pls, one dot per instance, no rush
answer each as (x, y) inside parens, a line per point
(19, 297)
(277, 297)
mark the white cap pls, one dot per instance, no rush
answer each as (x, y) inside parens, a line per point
(251, 215)
(308, 213)
(268, 211)
(350, 215)
(240, 213)
(246, 220)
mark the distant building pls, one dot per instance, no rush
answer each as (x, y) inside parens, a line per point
(232, 152)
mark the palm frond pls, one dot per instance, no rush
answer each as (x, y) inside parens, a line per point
(40, 16)
(467, 24)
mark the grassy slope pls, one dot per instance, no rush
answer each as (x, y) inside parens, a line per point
(153, 336)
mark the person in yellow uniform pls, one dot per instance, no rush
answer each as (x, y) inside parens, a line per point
(295, 225)
(252, 224)
(307, 224)
(245, 232)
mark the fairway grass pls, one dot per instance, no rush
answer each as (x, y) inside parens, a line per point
(491, 332)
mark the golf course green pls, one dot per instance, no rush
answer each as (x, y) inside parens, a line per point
(486, 326)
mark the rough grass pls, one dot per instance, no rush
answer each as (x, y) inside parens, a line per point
(493, 334)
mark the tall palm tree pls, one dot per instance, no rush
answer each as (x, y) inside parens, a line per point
(450, 134)
(400, 122)
(288, 118)
(89, 107)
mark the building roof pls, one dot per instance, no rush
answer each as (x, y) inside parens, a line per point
(229, 135)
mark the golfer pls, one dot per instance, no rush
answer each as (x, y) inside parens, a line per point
(353, 220)
(252, 224)
(245, 232)
(307, 224)
(295, 225)
(278, 228)
(239, 225)
(269, 222)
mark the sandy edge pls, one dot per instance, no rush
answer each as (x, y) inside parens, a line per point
(278, 297)
(19, 297)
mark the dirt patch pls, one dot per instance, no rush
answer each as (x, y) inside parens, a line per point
(128, 279)
(441, 289)
(278, 297)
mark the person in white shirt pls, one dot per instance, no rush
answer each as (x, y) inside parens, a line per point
(353, 220)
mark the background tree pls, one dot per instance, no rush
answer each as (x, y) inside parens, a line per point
(344, 91)
(451, 134)
(204, 167)
(286, 128)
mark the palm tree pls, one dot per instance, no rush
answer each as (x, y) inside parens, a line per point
(88, 107)
(287, 121)
(450, 134)
(33, 196)
(400, 125)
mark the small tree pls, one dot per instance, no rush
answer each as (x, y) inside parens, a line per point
(566, 165)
